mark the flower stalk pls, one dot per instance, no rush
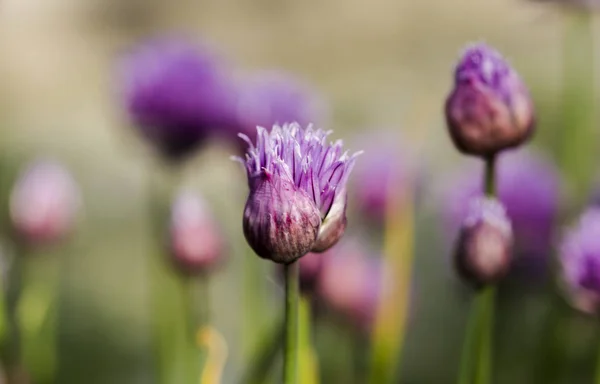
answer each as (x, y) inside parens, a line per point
(292, 296)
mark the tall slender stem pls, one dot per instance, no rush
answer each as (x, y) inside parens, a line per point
(490, 176)
(290, 358)
(484, 369)
(487, 297)
(12, 347)
(476, 358)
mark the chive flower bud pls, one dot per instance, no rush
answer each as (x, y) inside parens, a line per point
(44, 203)
(483, 252)
(580, 262)
(195, 240)
(297, 198)
(489, 109)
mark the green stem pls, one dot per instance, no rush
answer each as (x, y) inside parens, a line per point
(484, 369)
(169, 345)
(486, 297)
(191, 325)
(12, 347)
(490, 176)
(476, 357)
(470, 349)
(290, 358)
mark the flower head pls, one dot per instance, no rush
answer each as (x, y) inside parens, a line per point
(490, 108)
(529, 187)
(44, 202)
(195, 240)
(484, 249)
(580, 262)
(175, 93)
(297, 200)
(269, 98)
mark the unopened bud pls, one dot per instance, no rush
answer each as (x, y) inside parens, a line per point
(43, 203)
(195, 240)
(281, 222)
(484, 250)
(490, 108)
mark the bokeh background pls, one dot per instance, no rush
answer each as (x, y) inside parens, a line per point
(381, 65)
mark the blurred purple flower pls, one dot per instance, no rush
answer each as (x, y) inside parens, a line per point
(176, 93)
(297, 200)
(490, 108)
(529, 187)
(385, 169)
(195, 240)
(580, 262)
(483, 253)
(275, 98)
(350, 282)
(44, 203)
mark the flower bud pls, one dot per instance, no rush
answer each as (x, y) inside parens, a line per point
(43, 203)
(529, 188)
(195, 241)
(281, 222)
(490, 108)
(580, 262)
(483, 253)
(297, 197)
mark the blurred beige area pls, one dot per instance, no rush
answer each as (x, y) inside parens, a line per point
(380, 63)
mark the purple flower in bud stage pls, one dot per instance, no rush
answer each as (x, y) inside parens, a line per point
(490, 108)
(297, 200)
(529, 187)
(43, 203)
(195, 240)
(483, 253)
(350, 282)
(580, 262)
(176, 94)
(275, 98)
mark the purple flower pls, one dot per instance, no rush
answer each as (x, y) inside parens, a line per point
(490, 108)
(275, 98)
(580, 261)
(529, 187)
(195, 241)
(297, 200)
(176, 93)
(483, 252)
(44, 203)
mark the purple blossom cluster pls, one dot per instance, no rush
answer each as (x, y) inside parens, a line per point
(176, 94)
(297, 198)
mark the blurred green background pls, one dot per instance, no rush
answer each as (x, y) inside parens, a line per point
(381, 63)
